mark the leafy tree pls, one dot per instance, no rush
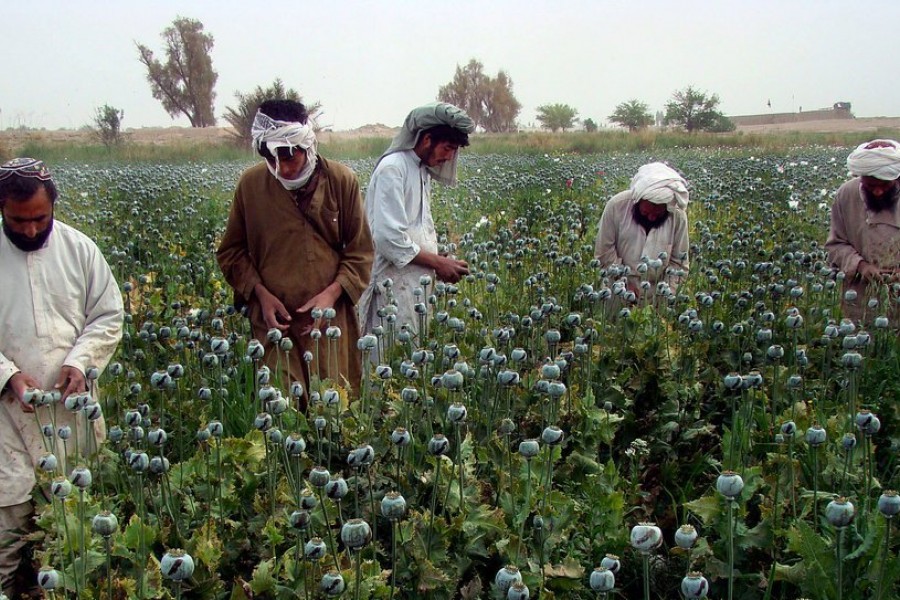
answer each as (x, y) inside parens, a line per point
(694, 110)
(632, 114)
(589, 125)
(241, 117)
(489, 101)
(184, 83)
(108, 125)
(557, 116)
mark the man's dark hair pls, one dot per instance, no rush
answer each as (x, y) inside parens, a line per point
(282, 110)
(446, 133)
(18, 189)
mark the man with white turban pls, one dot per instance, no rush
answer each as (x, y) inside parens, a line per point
(864, 239)
(643, 233)
(398, 208)
(296, 245)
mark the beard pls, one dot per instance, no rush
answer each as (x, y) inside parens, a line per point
(887, 200)
(646, 223)
(25, 243)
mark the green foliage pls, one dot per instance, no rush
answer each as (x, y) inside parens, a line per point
(632, 114)
(241, 117)
(589, 125)
(556, 117)
(489, 101)
(108, 125)
(694, 110)
(185, 83)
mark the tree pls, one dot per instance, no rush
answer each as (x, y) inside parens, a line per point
(632, 114)
(557, 116)
(589, 125)
(108, 125)
(184, 83)
(241, 117)
(694, 110)
(489, 101)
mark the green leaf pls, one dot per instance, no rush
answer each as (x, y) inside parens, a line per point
(707, 508)
(263, 580)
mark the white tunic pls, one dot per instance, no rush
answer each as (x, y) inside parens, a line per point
(398, 208)
(622, 240)
(59, 305)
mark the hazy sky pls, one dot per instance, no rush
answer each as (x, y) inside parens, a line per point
(370, 62)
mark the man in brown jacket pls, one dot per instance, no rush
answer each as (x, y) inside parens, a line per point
(296, 241)
(864, 240)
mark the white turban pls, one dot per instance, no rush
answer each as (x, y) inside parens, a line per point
(276, 134)
(882, 161)
(660, 184)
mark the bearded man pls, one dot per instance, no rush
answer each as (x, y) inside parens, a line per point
(60, 314)
(644, 231)
(398, 208)
(864, 239)
(296, 245)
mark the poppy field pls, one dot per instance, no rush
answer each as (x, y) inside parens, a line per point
(546, 435)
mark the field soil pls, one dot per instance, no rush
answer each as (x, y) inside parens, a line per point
(13, 139)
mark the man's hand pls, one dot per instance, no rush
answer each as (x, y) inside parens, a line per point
(868, 272)
(274, 313)
(70, 381)
(449, 269)
(327, 298)
(18, 384)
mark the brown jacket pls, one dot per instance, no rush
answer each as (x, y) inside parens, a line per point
(296, 254)
(858, 234)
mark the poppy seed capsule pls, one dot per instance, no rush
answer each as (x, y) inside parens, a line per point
(393, 506)
(64, 432)
(452, 380)
(61, 487)
(333, 332)
(48, 578)
(507, 576)
(319, 476)
(331, 397)
(76, 402)
(159, 465)
(438, 445)
(300, 519)
(456, 413)
(176, 565)
(81, 477)
(139, 462)
(400, 437)
(788, 428)
(263, 421)
(645, 537)
(840, 512)
(320, 423)
(274, 335)
(848, 442)
(215, 429)
(356, 534)
(529, 448)
(552, 435)
(729, 484)
(686, 537)
(336, 488)
(308, 500)
(157, 437)
(816, 435)
(332, 583)
(506, 427)
(602, 580)
(314, 549)
(889, 504)
(202, 434)
(92, 412)
(518, 591)
(104, 524)
(294, 444)
(48, 463)
(694, 585)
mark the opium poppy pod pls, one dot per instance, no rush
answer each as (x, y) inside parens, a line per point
(456, 413)
(315, 549)
(81, 477)
(438, 445)
(729, 484)
(840, 512)
(552, 435)
(48, 578)
(694, 585)
(393, 506)
(645, 537)
(356, 534)
(332, 583)
(361, 456)
(319, 476)
(176, 565)
(507, 576)
(104, 523)
(336, 488)
(48, 463)
(529, 448)
(300, 519)
(816, 435)
(518, 591)
(889, 504)
(686, 537)
(400, 437)
(61, 487)
(294, 444)
(602, 580)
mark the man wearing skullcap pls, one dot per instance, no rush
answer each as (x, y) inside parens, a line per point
(60, 317)
(398, 208)
(864, 239)
(643, 233)
(297, 241)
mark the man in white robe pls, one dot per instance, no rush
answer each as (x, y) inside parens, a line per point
(60, 316)
(643, 232)
(398, 208)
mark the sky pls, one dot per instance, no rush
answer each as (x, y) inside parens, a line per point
(370, 62)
